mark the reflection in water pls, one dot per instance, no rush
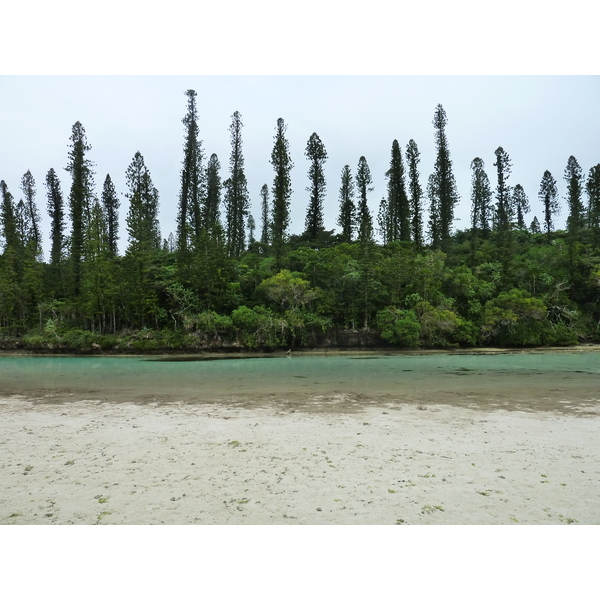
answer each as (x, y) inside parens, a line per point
(523, 381)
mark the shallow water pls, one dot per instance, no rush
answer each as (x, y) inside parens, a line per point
(561, 381)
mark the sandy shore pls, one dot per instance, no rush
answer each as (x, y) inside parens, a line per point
(129, 463)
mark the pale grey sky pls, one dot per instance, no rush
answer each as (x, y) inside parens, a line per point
(539, 120)
(414, 57)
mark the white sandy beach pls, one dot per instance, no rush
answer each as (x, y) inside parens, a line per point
(108, 463)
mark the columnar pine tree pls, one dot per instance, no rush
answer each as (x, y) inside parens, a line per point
(384, 221)
(398, 207)
(80, 197)
(548, 194)
(8, 219)
(189, 220)
(56, 212)
(282, 190)
(504, 208)
(142, 219)
(520, 204)
(236, 192)
(212, 205)
(445, 184)
(434, 211)
(11, 263)
(110, 205)
(592, 187)
(33, 214)
(317, 155)
(363, 186)
(347, 216)
(265, 235)
(416, 192)
(481, 195)
(574, 178)
(251, 230)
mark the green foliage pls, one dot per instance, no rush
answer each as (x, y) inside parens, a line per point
(399, 327)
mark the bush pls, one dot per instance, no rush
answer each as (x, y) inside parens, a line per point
(399, 327)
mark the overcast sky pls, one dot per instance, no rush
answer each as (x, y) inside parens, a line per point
(439, 50)
(540, 121)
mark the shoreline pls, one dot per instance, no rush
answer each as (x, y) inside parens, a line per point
(336, 351)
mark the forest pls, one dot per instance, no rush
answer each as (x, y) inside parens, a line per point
(401, 278)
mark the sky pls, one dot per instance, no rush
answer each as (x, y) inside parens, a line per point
(539, 121)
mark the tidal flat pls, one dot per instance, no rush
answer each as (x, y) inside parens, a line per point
(440, 438)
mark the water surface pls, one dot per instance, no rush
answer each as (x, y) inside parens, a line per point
(523, 381)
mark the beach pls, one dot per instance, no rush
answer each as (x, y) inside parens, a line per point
(91, 462)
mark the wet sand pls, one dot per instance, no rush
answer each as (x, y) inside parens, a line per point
(321, 460)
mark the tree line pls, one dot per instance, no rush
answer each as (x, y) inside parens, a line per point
(222, 279)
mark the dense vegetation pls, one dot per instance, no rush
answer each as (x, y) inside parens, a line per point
(223, 281)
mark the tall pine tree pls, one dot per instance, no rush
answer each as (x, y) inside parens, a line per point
(592, 188)
(281, 190)
(416, 193)
(548, 194)
(56, 212)
(317, 155)
(520, 204)
(34, 233)
(212, 205)
(504, 208)
(265, 236)
(110, 205)
(363, 186)
(398, 208)
(236, 191)
(347, 215)
(82, 183)
(444, 183)
(142, 219)
(480, 198)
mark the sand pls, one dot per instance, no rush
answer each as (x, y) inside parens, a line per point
(86, 462)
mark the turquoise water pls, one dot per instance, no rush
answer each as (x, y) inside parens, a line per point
(456, 378)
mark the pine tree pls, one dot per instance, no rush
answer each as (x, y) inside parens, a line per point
(347, 217)
(504, 208)
(189, 221)
(212, 205)
(535, 226)
(445, 184)
(33, 214)
(592, 187)
(363, 183)
(8, 219)
(317, 155)
(398, 207)
(416, 193)
(574, 178)
(80, 197)
(236, 192)
(548, 194)
(251, 230)
(481, 195)
(384, 221)
(56, 212)
(434, 211)
(110, 205)
(520, 204)
(265, 235)
(281, 190)
(142, 219)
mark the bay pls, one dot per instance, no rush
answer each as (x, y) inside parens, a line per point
(550, 381)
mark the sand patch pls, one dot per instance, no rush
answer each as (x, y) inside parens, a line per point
(177, 463)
